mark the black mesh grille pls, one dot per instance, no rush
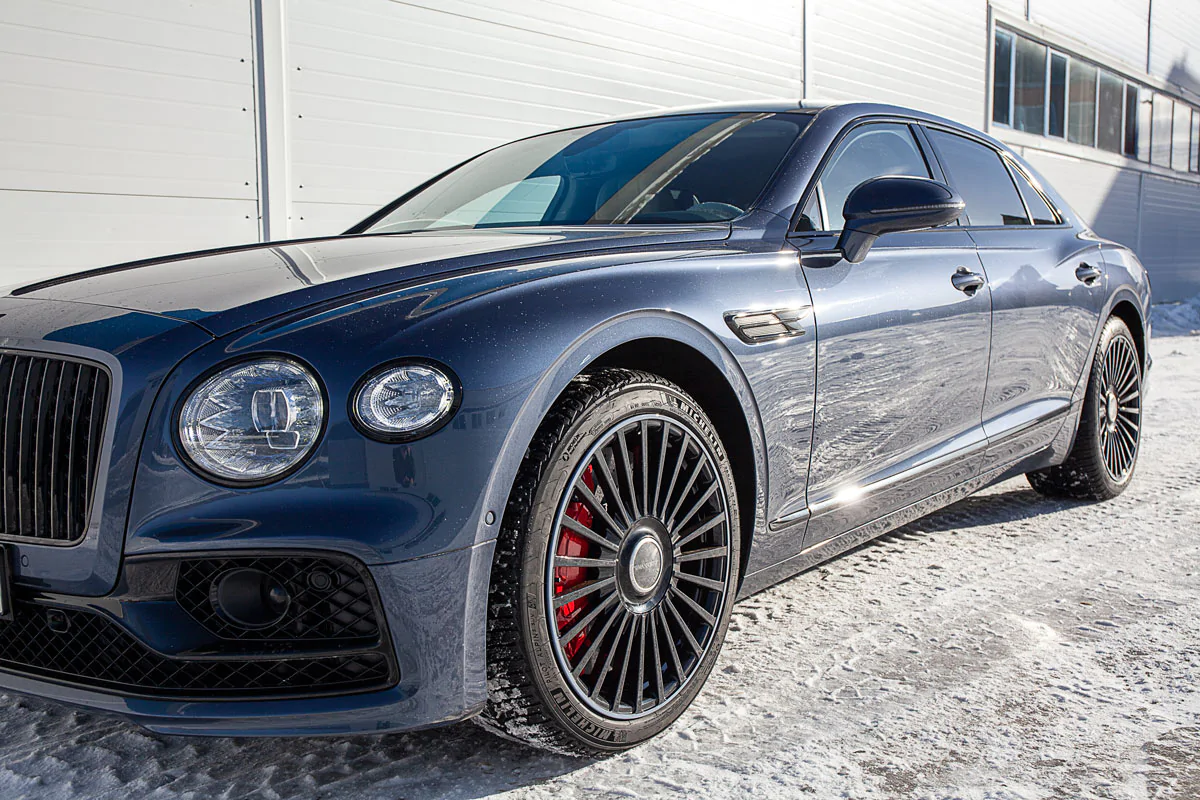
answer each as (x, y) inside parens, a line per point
(341, 611)
(87, 648)
(51, 420)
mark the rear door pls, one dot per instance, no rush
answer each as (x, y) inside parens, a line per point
(1047, 291)
(901, 353)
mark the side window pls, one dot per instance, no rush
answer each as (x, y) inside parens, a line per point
(810, 218)
(870, 151)
(1039, 209)
(978, 173)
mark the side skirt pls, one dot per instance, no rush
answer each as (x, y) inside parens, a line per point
(830, 548)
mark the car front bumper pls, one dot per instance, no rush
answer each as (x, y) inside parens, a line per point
(435, 614)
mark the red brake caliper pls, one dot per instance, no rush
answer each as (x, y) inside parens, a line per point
(572, 545)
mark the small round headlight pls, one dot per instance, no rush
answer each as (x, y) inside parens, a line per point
(253, 421)
(404, 401)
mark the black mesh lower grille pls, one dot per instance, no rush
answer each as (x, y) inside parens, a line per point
(90, 649)
(331, 599)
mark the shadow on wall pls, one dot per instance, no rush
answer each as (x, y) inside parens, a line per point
(1181, 76)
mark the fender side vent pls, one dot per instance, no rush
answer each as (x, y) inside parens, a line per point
(755, 327)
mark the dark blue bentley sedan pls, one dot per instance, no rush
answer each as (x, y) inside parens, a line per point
(512, 446)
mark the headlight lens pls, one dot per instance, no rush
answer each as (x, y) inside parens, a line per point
(405, 400)
(253, 421)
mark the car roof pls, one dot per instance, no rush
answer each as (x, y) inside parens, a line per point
(847, 110)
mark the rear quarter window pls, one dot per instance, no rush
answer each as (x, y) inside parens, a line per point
(1039, 209)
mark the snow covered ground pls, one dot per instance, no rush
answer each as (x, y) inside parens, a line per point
(1177, 319)
(1007, 647)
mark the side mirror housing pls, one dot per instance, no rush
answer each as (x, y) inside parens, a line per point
(892, 204)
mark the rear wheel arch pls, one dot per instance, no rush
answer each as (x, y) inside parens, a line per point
(1128, 313)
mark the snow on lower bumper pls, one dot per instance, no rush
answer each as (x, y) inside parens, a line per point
(390, 647)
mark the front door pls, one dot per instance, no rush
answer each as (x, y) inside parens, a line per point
(902, 349)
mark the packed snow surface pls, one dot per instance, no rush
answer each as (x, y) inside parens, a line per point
(1007, 647)
(1177, 319)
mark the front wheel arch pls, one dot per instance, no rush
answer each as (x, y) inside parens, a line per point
(686, 367)
(633, 336)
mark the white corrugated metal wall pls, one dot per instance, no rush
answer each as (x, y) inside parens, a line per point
(134, 129)
(912, 54)
(1116, 28)
(127, 128)
(383, 94)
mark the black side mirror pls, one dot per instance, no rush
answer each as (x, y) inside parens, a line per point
(892, 204)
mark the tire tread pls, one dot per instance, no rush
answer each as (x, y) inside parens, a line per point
(515, 709)
(1083, 475)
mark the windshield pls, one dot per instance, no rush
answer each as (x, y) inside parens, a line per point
(669, 170)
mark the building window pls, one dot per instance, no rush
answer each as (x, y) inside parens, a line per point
(1181, 138)
(1040, 91)
(1081, 112)
(1110, 108)
(1160, 130)
(1195, 162)
(1131, 120)
(1029, 92)
(1145, 123)
(1002, 78)
(1056, 112)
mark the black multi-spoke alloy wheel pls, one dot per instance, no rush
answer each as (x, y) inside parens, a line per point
(1105, 452)
(615, 568)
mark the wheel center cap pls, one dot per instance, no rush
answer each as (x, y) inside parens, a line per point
(646, 565)
(1111, 408)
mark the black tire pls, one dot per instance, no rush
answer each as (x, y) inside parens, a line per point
(539, 690)
(1102, 460)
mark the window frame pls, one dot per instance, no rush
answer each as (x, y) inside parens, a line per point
(1155, 131)
(1012, 83)
(1194, 151)
(1072, 64)
(1066, 57)
(923, 147)
(1145, 132)
(1101, 73)
(1012, 76)
(1009, 164)
(1130, 86)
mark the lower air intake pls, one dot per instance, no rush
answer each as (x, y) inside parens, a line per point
(82, 647)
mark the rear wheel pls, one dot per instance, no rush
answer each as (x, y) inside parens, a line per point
(615, 568)
(1102, 461)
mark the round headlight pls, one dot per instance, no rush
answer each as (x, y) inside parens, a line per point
(253, 421)
(404, 401)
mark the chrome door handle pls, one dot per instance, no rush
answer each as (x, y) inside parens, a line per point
(1087, 273)
(967, 282)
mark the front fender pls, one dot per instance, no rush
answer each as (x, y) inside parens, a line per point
(514, 337)
(606, 336)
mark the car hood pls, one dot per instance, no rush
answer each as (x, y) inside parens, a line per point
(225, 290)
